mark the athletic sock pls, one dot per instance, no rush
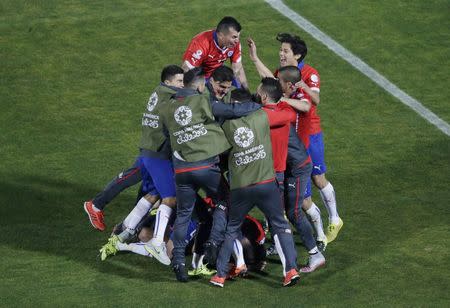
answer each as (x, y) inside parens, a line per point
(197, 260)
(238, 253)
(125, 235)
(316, 219)
(135, 216)
(162, 219)
(329, 199)
(313, 251)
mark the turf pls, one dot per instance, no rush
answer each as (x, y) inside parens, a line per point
(75, 76)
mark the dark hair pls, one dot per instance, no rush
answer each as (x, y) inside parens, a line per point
(170, 71)
(290, 74)
(241, 95)
(193, 76)
(226, 23)
(223, 73)
(272, 88)
(298, 45)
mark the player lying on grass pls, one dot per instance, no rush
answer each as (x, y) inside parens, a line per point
(249, 255)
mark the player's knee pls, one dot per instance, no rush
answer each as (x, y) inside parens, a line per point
(151, 198)
(320, 181)
(307, 203)
(169, 201)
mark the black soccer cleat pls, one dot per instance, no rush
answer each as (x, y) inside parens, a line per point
(180, 272)
(211, 252)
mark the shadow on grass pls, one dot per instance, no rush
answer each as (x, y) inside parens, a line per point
(47, 215)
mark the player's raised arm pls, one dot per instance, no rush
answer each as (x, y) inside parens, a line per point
(262, 69)
(239, 73)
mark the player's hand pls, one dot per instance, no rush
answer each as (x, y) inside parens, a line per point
(301, 84)
(252, 49)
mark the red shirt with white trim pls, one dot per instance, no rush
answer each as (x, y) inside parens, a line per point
(303, 121)
(311, 77)
(203, 51)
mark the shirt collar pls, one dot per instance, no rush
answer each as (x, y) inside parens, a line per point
(216, 42)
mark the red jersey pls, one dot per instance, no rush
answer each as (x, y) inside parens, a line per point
(280, 117)
(204, 51)
(311, 77)
(303, 120)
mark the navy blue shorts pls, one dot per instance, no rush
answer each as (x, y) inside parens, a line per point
(158, 176)
(317, 153)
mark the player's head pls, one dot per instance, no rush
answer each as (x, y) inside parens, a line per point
(195, 79)
(289, 76)
(241, 95)
(228, 31)
(292, 50)
(221, 80)
(269, 91)
(172, 75)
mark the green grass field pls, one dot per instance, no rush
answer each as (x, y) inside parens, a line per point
(75, 76)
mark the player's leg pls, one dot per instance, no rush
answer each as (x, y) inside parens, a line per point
(241, 203)
(186, 195)
(294, 199)
(161, 172)
(269, 201)
(326, 189)
(314, 214)
(215, 187)
(137, 214)
(94, 208)
(203, 231)
(272, 250)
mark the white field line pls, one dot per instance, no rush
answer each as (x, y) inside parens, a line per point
(361, 66)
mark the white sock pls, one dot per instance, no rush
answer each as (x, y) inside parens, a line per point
(329, 199)
(313, 251)
(138, 212)
(95, 208)
(137, 248)
(280, 253)
(316, 219)
(162, 219)
(197, 260)
(238, 253)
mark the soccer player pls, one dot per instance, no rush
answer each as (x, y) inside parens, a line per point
(196, 141)
(219, 86)
(171, 77)
(210, 49)
(253, 182)
(298, 175)
(293, 51)
(144, 234)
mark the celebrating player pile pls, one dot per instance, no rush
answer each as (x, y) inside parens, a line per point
(210, 151)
